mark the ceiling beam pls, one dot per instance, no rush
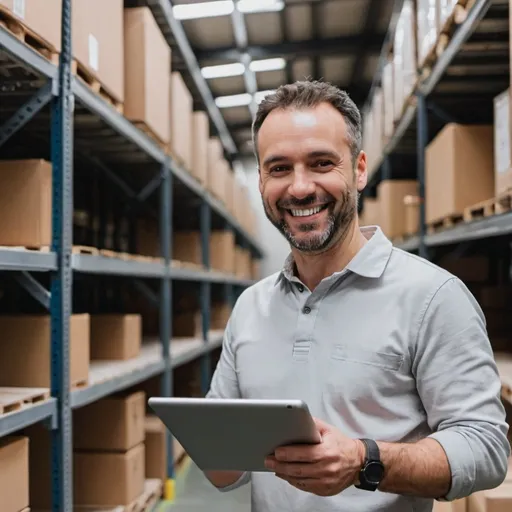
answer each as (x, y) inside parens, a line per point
(345, 45)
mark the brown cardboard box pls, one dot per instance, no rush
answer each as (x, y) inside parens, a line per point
(243, 263)
(148, 238)
(222, 251)
(229, 194)
(181, 120)
(43, 18)
(115, 423)
(93, 473)
(215, 155)
(156, 460)
(98, 41)
(459, 170)
(412, 214)
(392, 209)
(218, 176)
(147, 65)
(370, 216)
(220, 314)
(14, 473)
(494, 500)
(426, 28)
(256, 269)
(200, 137)
(450, 506)
(115, 336)
(25, 359)
(187, 247)
(186, 324)
(26, 202)
(502, 145)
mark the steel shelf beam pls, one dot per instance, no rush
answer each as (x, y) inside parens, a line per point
(23, 260)
(190, 355)
(92, 264)
(25, 417)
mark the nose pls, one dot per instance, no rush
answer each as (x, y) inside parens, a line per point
(302, 185)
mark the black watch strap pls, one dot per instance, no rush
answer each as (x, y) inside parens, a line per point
(372, 471)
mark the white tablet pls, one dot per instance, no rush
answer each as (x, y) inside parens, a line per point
(236, 435)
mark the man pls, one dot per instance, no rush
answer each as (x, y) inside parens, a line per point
(383, 346)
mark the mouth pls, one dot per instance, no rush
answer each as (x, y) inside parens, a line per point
(307, 213)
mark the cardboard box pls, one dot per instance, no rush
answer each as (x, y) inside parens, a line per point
(41, 17)
(412, 215)
(219, 315)
(181, 120)
(494, 500)
(93, 474)
(147, 65)
(392, 208)
(370, 216)
(215, 155)
(148, 238)
(156, 448)
(256, 269)
(187, 247)
(14, 473)
(388, 95)
(459, 170)
(200, 137)
(111, 424)
(187, 324)
(115, 337)
(450, 506)
(218, 176)
(25, 358)
(243, 263)
(222, 251)
(502, 146)
(426, 28)
(98, 42)
(26, 202)
(230, 190)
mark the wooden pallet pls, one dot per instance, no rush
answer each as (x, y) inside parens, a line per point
(446, 222)
(76, 249)
(13, 24)
(187, 265)
(79, 384)
(13, 398)
(490, 207)
(141, 125)
(95, 84)
(458, 16)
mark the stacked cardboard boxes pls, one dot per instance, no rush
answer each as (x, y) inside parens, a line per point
(181, 120)
(14, 473)
(502, 145)
(200, 138)
(459, 170)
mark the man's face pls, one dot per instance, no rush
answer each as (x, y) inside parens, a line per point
(308, 182)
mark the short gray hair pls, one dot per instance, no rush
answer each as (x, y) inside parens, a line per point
(308, 94)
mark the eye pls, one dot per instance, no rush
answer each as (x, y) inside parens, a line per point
(279, 168)
(323, 163)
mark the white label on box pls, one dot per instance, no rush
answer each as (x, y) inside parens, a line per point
(94, 53)
(502, 133)
(19, 8)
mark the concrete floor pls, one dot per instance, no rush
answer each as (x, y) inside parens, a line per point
(195, 494)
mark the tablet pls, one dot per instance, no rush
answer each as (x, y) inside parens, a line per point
(235, 435)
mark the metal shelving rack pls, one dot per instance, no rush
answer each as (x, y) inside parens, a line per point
(472, 70)
(38, 89)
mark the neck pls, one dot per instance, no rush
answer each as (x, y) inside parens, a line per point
(312, 268)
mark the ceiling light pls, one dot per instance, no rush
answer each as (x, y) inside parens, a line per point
(248, 6)
(235, 100)
(223, 70)
(267, 64)
(203, 9)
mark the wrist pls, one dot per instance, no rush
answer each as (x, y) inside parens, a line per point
(360, 457)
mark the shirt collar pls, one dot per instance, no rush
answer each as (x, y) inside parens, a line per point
(369, 262)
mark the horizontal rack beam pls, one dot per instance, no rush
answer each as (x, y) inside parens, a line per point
(93, 264)
(26, 416)
(31, 261)
(108, 377)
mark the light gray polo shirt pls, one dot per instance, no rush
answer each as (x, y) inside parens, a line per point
(392, 348)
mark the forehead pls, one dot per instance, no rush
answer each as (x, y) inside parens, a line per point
(287, 130)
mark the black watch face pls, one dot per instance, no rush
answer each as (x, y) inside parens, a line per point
(374, 471)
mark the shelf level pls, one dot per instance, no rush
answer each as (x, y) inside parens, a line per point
(108, 377)
(31, 261)
(28, 415)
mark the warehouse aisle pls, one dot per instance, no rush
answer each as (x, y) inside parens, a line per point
(195, 494)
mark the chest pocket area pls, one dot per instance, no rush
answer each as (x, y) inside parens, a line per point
(356, 373)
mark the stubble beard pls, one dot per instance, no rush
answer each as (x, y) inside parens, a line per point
(340, 217)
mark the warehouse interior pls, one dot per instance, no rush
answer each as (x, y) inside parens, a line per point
(128, 122)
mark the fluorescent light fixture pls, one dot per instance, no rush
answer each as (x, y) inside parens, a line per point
(267, 64)
(223, 70)
(248, 6)
(203, 9)
(235, 100)
(261, 94)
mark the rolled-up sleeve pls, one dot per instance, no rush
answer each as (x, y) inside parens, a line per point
(224, 384)
(459, 385)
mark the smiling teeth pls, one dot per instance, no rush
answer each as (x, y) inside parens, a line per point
(306, 213)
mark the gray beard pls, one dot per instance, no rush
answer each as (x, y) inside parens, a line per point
(338, 223)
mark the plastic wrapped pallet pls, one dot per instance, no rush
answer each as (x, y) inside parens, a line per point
(387, 91)
(427, 31)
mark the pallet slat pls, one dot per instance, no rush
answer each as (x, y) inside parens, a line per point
(490, 207)
(15, 398)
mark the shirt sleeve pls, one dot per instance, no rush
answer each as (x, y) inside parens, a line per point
(458, 383)
(224, 384)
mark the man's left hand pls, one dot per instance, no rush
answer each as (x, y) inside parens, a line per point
(324, 469)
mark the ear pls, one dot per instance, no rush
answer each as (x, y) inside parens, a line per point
(361, 171)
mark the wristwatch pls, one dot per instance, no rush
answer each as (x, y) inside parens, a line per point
(372, 472)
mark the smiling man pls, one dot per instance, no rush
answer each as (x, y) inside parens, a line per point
(389, 351)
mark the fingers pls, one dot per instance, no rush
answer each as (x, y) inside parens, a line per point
(300, 453)
(298, 470)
